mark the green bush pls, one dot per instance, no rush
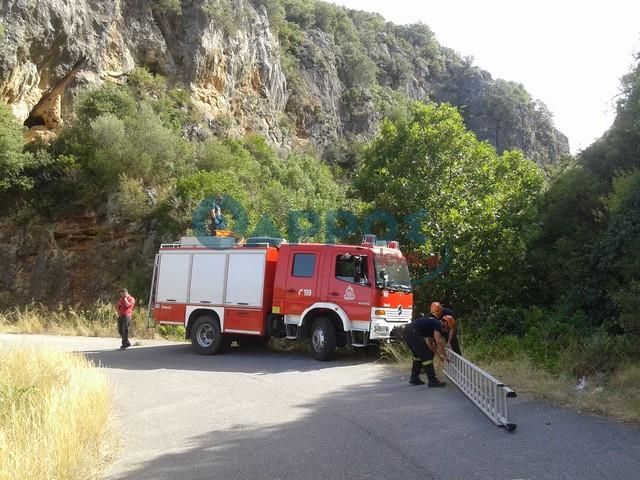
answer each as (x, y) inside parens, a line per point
(172, 332)
(599, 352)
(143, 83)
(131, 200)
(168, 6)
(493, 348)
(13, 161)
(138, 146)
(551, 339)
(109, 98)
(224, 14)
(275, 13)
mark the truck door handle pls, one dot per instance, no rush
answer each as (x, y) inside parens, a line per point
(292, 290)
(334, 294)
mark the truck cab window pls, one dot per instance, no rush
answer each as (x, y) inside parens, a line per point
(304, 265)
(350, 268)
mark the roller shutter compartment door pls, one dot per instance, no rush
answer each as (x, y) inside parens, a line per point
(245, 279)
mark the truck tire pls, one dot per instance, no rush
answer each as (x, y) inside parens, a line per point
(252, 341)
(323, 339)
(206, 336)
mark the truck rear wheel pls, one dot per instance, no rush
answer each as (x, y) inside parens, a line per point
(206, 336)
(323, 339)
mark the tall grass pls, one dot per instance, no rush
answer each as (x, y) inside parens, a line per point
(97, 320)
(55, 416)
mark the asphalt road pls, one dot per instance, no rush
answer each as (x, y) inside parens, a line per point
(271, 415)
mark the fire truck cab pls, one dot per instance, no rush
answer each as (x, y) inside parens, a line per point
(331, 295)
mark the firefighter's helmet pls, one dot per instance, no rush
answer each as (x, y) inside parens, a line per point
(436, 309)
(450, 321)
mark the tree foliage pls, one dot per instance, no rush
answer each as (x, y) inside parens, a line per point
(588, 255)
(454, 194)
(267, 187)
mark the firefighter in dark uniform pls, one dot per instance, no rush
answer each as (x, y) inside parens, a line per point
(439, 312)
(425, 338)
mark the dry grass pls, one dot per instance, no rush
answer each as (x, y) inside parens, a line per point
(55, 416)
(98, 320)
(616, 395)
(397, 353)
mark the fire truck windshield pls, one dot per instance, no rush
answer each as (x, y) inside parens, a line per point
(394, 268)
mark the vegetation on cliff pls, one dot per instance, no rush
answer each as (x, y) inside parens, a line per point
(14, 162)
(375, 58)
(341, 65)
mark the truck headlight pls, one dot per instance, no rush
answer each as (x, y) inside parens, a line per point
(380, 329)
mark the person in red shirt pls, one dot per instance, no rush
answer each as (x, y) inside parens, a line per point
(125, 310)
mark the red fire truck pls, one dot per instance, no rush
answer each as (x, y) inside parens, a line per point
(333, 295)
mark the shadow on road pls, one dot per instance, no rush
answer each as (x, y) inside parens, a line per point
(388, 430)
(241, 360)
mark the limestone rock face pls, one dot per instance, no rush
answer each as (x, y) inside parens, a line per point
(317, 110)
(324, 109)
(237, 74)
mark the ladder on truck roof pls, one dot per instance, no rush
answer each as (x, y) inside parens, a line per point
(207, 242)
(488, 393)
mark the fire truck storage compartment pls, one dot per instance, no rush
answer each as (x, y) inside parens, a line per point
(245, 279)
(207, 274)
(173, 277)
(243, 320)
(199, 278)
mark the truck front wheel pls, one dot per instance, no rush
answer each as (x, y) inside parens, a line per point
(206, 336)
(323, 339)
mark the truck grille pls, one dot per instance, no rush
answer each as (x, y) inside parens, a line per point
(393, 315)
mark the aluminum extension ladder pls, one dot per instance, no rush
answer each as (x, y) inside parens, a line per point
(152, 297)
(488, 393)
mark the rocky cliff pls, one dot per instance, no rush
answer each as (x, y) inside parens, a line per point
(319, 74)
(70, 260)
(237, 76)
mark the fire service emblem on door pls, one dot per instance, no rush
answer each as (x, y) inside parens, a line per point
(348, 294)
